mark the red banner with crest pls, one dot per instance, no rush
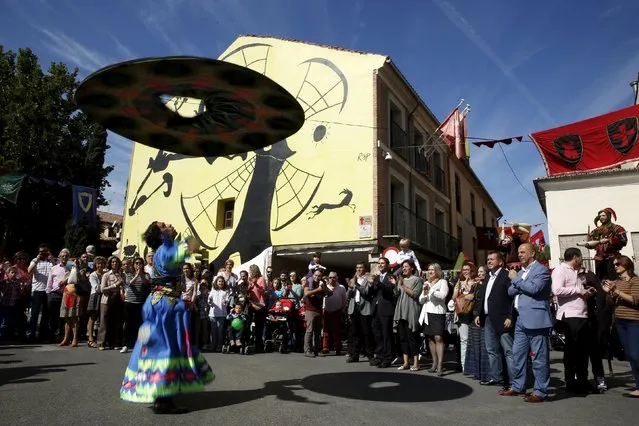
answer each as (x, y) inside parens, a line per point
(593, 144)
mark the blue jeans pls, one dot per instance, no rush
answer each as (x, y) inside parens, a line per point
(496, 345)
(629, 336)
(217, 332)
(39, 305)
(525, 341)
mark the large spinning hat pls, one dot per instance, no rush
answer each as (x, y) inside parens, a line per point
(189, 105)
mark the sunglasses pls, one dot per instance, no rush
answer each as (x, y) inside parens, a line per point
(616, 265)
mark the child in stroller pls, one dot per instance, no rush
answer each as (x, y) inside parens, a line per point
(238, 334)
(279, 319)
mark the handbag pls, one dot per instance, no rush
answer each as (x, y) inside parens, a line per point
(463, 306)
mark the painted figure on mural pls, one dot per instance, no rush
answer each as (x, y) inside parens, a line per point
(164, 363)
(607, 239)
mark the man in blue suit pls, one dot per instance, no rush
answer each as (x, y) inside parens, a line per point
(531, 287)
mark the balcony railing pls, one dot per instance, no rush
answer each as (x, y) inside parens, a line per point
(405, 223)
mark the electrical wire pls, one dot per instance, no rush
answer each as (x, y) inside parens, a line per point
(515, 174)
(365, 126)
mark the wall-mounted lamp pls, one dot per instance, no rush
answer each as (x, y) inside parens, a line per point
(386, 154)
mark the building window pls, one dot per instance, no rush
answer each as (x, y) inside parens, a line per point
(472, 209)
(483, 216)
(396, 126)
(421, 163)
(458, 193)
(226, 208)
(437, 170)
(475, 253)
(440, 219)
(460, 238)
(421, 207)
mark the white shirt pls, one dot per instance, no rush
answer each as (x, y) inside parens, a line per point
(433, 302)
(523, 277)
(489, 287)
(361, 281)
(409, 255)
(40, 274)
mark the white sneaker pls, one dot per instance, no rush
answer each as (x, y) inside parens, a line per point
(601, 384)
(124, 350)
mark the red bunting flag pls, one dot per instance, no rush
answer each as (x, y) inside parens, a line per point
(594, 144)
(538, 239)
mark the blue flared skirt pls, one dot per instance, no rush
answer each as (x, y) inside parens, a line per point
(163, 362)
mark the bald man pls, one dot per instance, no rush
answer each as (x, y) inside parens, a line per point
(531, 287)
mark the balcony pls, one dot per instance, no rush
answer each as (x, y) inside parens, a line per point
(407, 224)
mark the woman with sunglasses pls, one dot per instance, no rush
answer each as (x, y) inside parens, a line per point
(137, 288)
(625, 294)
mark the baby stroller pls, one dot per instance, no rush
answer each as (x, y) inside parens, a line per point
(278, 322)
(243, 334)
(557, 338)
(246, 344)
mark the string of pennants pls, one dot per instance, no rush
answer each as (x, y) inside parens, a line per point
(492, 143)
(597, 143)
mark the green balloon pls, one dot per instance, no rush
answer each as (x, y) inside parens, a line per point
(237, 324)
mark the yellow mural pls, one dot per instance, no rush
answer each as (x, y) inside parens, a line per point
(311, 188)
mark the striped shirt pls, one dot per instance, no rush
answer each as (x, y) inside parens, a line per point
(137, 289)
(626, 310)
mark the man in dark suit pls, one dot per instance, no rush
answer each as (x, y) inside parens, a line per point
(494, 312)
(384, 296)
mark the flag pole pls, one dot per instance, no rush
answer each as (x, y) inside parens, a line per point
(443, 122)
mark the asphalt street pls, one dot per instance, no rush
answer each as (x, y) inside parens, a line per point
(45, 384)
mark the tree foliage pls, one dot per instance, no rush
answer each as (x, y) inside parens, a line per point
(44, 135)
(80, 235)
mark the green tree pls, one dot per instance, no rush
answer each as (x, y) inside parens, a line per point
(80, 235)
(44, 135)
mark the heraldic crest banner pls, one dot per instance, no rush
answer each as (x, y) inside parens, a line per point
(84, 204)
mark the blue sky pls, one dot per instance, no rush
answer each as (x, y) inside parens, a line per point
(522, 65)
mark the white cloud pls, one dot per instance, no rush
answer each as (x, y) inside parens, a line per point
(122, 49)
(72, 51)
(460, 22)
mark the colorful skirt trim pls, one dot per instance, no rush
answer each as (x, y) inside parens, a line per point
(163, 362)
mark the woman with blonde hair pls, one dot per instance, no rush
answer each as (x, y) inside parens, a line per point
(433, 315)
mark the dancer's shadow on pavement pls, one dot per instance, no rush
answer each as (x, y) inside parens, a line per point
(282, 390)
(33, 374)
(364, 386)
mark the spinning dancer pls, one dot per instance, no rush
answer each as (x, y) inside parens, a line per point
(607, 240)
(163, 362)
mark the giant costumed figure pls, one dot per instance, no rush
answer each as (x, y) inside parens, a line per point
(237, 110)
(510, 240)
(163, 362)
(607, 239)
